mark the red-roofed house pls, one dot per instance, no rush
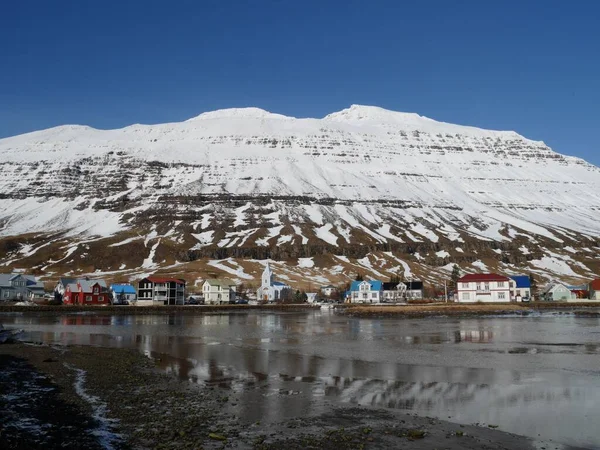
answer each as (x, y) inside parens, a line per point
(483, 287)
(157, 290)
(595, 290)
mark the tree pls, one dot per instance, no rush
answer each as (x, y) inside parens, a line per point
(534, 286)
(298, 296)
(394, 279)
(359, 277)
(454, 277)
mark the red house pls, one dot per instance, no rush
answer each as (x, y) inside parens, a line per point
(86, 292)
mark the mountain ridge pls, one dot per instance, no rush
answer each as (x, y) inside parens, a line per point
(244, 182)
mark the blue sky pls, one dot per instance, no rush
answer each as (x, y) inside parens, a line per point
(530, 66)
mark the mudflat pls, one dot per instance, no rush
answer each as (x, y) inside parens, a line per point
(92, 397)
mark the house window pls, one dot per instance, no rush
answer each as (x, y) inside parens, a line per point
(465, 285)
(466, 296)
(519, 292)
(95, 290)
(500, 284)
(88, 298)
(486, 286)
(101, 298)
(374, 295)
(501, 296)
(478, 286)
(6, 294)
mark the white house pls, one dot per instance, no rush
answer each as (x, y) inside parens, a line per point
(218, 291)
(485, 287)
(270, 290)
(557, 292)
(394, 292)
(366, 292)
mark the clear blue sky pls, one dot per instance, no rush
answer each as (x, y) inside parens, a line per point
(531, 66)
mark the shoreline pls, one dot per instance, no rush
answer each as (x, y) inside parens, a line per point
(128, 403)
(469, 310)
(413, 311)
(154, 310)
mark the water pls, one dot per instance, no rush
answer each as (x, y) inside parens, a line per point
(535, 376)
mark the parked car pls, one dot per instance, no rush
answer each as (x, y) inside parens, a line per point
(241, 301)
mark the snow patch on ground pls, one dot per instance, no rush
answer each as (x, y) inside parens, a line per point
(306, 263)
(326, 235)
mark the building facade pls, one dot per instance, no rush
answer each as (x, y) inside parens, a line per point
(366, 292)
(218, 291)
(487, 287)
(159, 291)
(121, 293)
(270, 290)
(520, 290)
(86, 292)
(20, 287)
(557, 292)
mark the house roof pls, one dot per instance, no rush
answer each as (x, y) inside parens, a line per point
(595, 285)
(86, 285)
(522, 281)
(376, 285)
(220, 282)
(30, 280)
(329, 286)
(154, 279)
(278, 283)
(124, 288)
(553, 286)
(65, 281)
(482, 277)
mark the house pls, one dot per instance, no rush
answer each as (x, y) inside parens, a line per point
(483, 287)
(557, 292)
(157, 290)
(312, 297)
(270, 290)
(218, 291)
(18, 286)
(121, 293)
(394, 292)
(520, 290)
(328, 290)
(366, 291)
(86, 292)
(414, 290)
(594, 290)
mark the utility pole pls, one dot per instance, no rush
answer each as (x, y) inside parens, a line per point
(445, 292)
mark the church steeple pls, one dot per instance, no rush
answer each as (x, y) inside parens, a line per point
(267, 276)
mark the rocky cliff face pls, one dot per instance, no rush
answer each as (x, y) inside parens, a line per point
(361, 190)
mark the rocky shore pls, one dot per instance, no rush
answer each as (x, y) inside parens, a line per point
(90, 397)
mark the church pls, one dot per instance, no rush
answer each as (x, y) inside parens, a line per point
(272, 291)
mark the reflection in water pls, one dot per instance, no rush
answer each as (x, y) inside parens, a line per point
(529, 376)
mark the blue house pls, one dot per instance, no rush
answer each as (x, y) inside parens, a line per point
(366, 291)
(520, 289)
(122, 292)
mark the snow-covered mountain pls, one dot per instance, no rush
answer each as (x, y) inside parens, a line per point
(394, 192)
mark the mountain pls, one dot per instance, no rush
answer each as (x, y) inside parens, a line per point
(363, 190)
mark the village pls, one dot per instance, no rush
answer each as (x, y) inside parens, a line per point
(159, 290)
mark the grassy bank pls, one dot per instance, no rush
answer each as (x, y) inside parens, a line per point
(453, 309)
(135, 310)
